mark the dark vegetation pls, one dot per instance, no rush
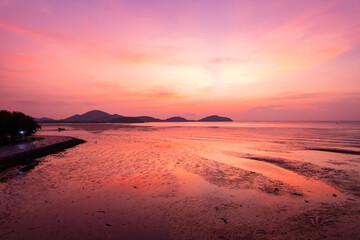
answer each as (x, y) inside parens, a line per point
(16, 126)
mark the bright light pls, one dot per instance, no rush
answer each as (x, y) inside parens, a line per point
(22, 132)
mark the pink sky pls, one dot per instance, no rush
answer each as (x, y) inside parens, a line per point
(249, 60)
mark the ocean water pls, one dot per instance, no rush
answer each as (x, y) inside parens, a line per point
(189, 181)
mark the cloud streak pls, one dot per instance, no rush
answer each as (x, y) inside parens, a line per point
(231, 57)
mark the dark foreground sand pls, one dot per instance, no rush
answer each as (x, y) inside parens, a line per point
(183, 183)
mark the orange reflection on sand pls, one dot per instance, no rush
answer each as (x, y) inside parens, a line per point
(310, 187)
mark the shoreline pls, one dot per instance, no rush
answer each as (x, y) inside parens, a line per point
(28, 155)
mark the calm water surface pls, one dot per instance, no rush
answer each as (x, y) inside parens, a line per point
(184, 181)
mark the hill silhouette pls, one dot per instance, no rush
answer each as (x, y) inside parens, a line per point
(126, 120)
(149, 119)
(97, 116)
(215, 118)
(92, 116)
(176, 119)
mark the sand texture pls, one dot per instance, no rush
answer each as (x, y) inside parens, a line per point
(188, 182)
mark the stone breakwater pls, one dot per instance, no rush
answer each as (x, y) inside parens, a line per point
(28, 156)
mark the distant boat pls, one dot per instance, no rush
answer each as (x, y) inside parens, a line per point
(61, 129)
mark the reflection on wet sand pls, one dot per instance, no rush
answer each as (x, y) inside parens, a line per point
(187, 182)
(317, 190)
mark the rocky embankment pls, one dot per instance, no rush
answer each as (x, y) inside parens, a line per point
(28, 156)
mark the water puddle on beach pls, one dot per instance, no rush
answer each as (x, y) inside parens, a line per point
(316, 190)
(194, 185)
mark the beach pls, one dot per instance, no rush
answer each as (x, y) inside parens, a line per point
(190, 181)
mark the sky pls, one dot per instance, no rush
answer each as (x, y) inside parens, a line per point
(249, 60)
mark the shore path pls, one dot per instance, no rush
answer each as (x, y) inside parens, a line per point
(14, 149)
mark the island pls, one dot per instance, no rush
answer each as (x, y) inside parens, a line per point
(176, 119)
(215, 118)
(126, 120)
(98, 116)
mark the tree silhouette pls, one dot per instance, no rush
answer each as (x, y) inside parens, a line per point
(15, 125)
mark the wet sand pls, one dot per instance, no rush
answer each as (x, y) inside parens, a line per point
(188, 182)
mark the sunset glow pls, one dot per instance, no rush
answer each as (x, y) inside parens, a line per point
(249, 60)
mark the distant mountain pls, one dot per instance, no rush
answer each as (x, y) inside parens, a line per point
(176, 119)
(92, 116)
(126, 120)
(109, 118)
(97, 116)
(45, 120)
(215, 118)
(149, 119)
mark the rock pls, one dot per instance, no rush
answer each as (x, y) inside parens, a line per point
(224, 220)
